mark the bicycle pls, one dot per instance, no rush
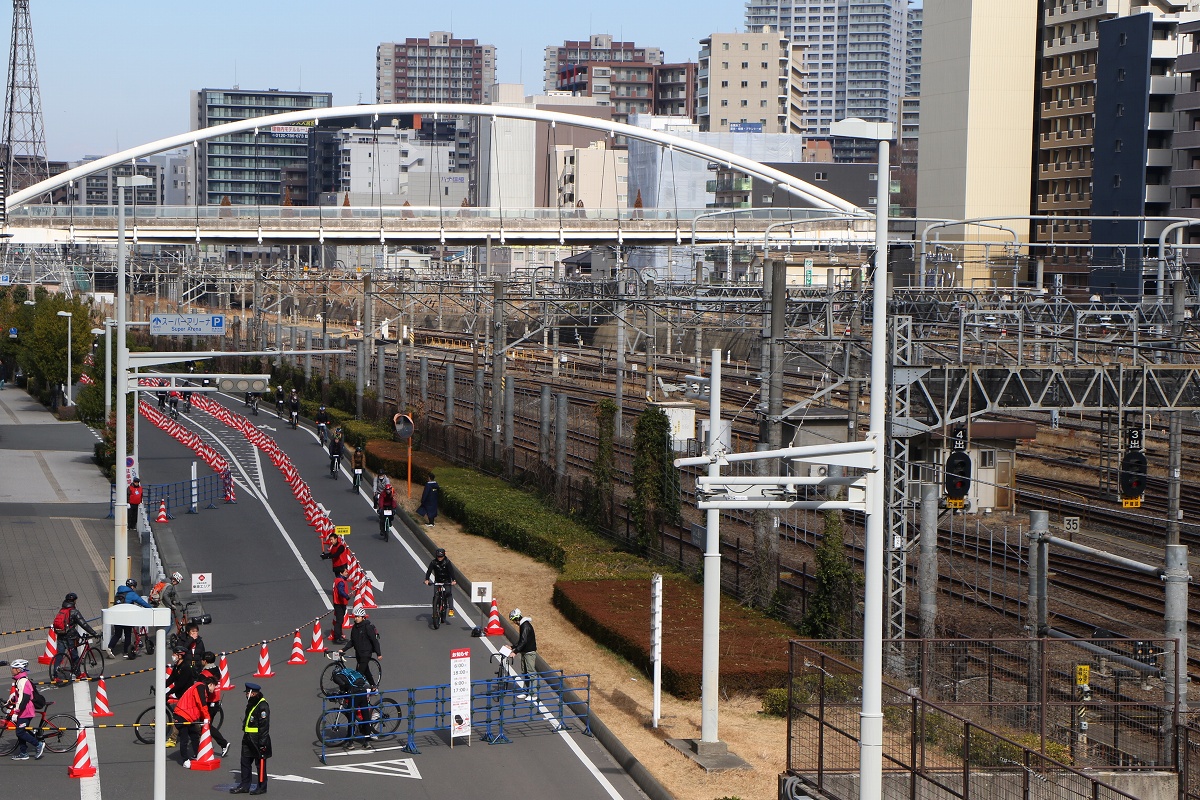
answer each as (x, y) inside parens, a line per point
(441, 603)
(254, 405)
(279, 408)
(144, 726)
(335, 462)
(385, 522)
(142, 639)
(380, 716)
(88, 664)
(295, 421)
(60, 733)
(173, 409)
(322, 433)
(329, 687)
(179, 635)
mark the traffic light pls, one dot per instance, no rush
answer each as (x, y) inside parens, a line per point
(1133, 475)
(958, 475)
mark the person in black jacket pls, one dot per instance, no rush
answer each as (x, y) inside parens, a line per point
(428, 510)
(526, 647)
(256, 741)
(67, 624)
(365, 641)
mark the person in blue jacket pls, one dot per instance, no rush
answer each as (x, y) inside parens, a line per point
(428, 509)
(126, 594)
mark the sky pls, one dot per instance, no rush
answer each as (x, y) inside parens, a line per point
(119, 73)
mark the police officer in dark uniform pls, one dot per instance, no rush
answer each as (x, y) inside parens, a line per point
(256, 741)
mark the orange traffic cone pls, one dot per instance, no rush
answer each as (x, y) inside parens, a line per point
(206, 759)
(83, 767)
(100, 707)
(51, 647)
(348, 621)
(318, 644)
(494, 628)
(297, 651)
(225, 685)
(162, 512)
(264, 663)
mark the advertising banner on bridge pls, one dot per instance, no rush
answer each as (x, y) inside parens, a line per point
(460, 693)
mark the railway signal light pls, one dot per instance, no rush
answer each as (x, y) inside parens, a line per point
(1133, 475)
(958, 475)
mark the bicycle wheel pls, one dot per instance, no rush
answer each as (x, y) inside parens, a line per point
(60, 733)
(375, 670)
(391, 714)
(328, 687)
(60, 669)
(92, 663)
(145, 726)
(8, 738)
(333, 728)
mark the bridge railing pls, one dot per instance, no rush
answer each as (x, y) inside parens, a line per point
(359, 213)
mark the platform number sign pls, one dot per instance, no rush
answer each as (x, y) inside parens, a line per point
(1071, 525)
(1133, 439)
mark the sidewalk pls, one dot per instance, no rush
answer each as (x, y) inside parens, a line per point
(53, 531)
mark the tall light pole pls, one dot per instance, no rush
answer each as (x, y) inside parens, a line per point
(121, 500)
(67, 314)
(106, 332)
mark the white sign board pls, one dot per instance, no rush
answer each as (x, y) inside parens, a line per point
(187, 325)
(201, 582)
(460, 692)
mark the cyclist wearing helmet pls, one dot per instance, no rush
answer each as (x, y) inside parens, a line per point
(440, 569)
(322, 420)
(170, 596)
(178, 682)
(381, 480)
(20, 708)
(67, 624)
(125, 594)
(526, 646)
(365, 641)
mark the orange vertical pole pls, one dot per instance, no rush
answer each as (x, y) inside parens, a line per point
(410, 468)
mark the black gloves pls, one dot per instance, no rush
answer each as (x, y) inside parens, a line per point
(326, 556)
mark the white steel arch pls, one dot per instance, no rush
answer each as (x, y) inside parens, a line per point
(819, 197)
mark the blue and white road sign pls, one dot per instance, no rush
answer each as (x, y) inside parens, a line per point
(187, 325)
(5, 279)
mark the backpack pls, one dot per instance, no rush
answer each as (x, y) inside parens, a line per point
(60, 620)
(355, 679)
(39, 702)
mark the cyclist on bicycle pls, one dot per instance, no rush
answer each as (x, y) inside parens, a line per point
(279, 401)
(126, 594)
(364, 638)
(358, 462)
(381, 480)
(20, 708)
(335, 452)
(386, 502)
(442, 571)
(322, 420)
(173, 401)
(67, 623)
(294, 407)
(167, 593)
(162, 400)
(356, 685)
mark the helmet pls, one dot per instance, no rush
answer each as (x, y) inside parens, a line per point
(20, 664)
(180, 650)
(439, 553)
(175, 576)
(322, 408)
(70, 598)
(515, 615)
(359, 611)
(131, 583)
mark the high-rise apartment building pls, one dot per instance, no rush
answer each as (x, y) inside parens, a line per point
(854, 55)
(750, 83)
(675, 90)
(621, 75)
(245, 167)
(438, 69)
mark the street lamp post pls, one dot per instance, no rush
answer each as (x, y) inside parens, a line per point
(67, 314)
(121, 500)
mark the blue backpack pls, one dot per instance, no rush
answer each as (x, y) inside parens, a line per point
(355, 679)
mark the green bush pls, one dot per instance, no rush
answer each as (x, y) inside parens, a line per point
(775, 702)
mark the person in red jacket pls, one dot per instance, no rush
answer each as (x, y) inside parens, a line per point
(191, 712)
(338, 552)
(134, 497)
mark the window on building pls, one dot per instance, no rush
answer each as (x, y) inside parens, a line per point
(1117, 146)
(724, 45)
(724, 65)
(762, 103)
(765, 65)
(762, 85)
(745, 45)
(1116, 181)
(724, 103)
(745, 65)
(744, 103)
(724, 84)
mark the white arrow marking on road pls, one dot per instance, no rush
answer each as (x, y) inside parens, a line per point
(293, 778)
(398, 768)
(266, 428)
(378, 584)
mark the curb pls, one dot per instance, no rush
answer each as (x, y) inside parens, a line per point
(620, 753)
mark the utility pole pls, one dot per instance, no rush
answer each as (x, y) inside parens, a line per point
(1174, 421)
(501, 336)
(24, 133)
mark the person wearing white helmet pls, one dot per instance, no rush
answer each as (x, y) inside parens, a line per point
(365, 641)
(20, 707)
(526, 647)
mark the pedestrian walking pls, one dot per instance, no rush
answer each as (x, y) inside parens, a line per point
(125, 594)
(364, 638)
(21, 709)
(428, 509)
(134, 498)
(191, 712)
(526, 647)
(256, 741)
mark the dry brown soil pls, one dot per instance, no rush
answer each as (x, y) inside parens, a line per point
(621, 695)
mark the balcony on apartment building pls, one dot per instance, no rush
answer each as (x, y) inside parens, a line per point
(1186, 101)
(1075, 9)
(1064, 170)
(1158, 193)
(1187, 62)
(1059, 45)
(1161, 121)
(1068, 75)
(1066, 108)
(1185, 140)
(719, 185)
(1159, 157)
(1065, 138)
(1182, 178)
(1064, 201)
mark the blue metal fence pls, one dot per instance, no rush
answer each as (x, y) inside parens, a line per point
(496, 704)
(178, 495)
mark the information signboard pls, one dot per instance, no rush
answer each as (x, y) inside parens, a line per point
(460, 692)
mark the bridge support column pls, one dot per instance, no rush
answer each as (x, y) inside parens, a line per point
(927, 568)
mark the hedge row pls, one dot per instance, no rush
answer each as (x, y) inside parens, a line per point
(616, 614)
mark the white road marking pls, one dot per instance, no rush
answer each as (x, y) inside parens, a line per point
(398, 768)
(343, 753)
(378, 584)
(293, 779)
